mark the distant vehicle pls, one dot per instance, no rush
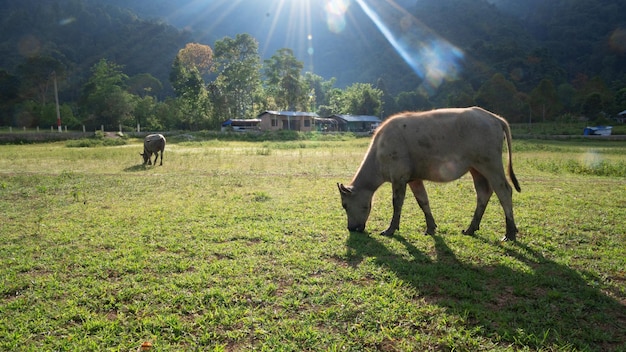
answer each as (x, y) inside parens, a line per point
(373, 127)
(598, 131)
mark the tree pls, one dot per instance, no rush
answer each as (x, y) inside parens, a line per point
(105, 99)
(620, 100)
(388, 103)
(197, 55)
(500, 96)
(592, 106)
(593, 94)
(144, 84)
(237, 64)
(9, 90)
(544, 100)
(282, 71)
(192, 96)
(362, 99)
(36, 77)
(411, 101)
(336, 103)
(457, 93)
(320, 88)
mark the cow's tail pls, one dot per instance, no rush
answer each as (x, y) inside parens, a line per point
(507, 135)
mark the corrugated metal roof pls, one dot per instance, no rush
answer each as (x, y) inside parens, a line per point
(289, 113)
(358, 118)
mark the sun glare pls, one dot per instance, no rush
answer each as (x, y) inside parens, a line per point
(431, 57)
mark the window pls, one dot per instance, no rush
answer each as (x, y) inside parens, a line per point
(307, 123)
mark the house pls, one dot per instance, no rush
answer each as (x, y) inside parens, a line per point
(241, 125)
(356, 123)
(325, 124)
(287, 120)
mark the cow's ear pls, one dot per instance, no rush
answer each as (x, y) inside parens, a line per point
(343, 189)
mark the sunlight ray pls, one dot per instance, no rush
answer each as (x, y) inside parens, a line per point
(431, 57)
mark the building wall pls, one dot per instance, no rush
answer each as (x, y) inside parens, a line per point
(279, 122)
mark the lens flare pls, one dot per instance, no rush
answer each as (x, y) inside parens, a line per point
(431, 57)
(336, 14)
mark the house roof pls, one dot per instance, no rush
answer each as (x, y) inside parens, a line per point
(358, 118)
(289, 113)
(622, 113)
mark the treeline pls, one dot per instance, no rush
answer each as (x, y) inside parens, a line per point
(112, 68)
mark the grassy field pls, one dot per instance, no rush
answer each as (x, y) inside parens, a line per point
(236, 246)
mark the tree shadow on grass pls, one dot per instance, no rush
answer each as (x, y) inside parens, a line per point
(540, 305)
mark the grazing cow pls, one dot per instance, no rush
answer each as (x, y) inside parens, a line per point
(440, 145)
(153, 144)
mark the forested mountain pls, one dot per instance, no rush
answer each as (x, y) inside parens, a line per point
(515, 57)
(79, 33)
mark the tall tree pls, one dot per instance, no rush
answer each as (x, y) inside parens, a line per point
(105, 99)
(413, 101)
(192, 95)
(284, 82)
(9, 89)
(144, 84)
(501, 96)
(237, 65)
(36, 75)
(197, 55)
(544, 100)
(319, 87)
(362, 99)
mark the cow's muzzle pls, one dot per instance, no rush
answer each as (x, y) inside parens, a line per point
(357, 228)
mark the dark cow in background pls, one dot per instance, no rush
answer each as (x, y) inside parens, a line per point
(153, 144)
(441, 146)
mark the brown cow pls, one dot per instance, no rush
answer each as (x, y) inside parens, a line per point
(153, 144)
(441, 146)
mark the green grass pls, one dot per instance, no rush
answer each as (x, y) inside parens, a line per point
(241, 245)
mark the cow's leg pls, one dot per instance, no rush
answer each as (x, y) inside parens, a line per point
(161, 164)
(419, 191)
(505, 195)
(399, 191)
(156, 156)
(483, 193)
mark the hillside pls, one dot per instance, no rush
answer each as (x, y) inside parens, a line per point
(80, 33)
(570, 42)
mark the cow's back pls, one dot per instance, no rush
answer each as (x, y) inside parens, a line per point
(154, 143)
(423, 144)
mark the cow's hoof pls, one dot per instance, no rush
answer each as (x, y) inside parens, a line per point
(387, 233)
(508, 239)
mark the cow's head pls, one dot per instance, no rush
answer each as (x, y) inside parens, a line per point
(145, 156)
(357, 204)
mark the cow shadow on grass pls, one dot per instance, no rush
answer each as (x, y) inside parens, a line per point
(136, 168)
(538, 304)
